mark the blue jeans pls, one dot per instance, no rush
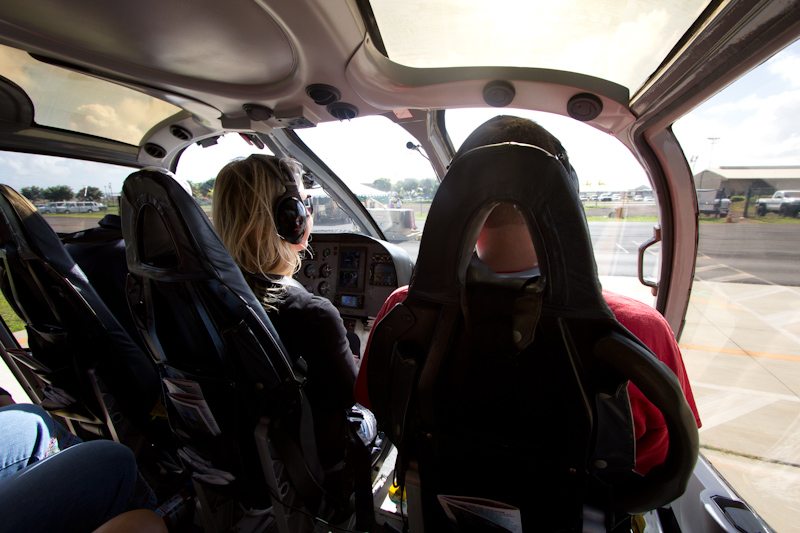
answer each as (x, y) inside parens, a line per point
(74, 490)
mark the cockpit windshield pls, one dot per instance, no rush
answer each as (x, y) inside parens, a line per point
(200, 163)
(371, 156)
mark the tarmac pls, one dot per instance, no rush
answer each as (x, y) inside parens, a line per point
(741, 348)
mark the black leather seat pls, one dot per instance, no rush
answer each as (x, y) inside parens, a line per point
(512, 387)
(211, 334)
(81, 365)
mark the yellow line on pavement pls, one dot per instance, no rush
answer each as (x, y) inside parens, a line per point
(733, 351)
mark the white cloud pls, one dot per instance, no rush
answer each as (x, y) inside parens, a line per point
(751, 131)
(787, 66)
(123, 121)
(24, 170)
(756, 119)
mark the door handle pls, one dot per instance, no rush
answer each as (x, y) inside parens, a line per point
(644, 246)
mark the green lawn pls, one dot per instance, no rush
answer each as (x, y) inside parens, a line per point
(626, 219)
(772, 218)
(10, 317)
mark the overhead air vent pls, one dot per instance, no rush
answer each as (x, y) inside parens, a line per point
(584, 107)
(323, 94)
(343, 111)
(499, 93)
(180, 132)
(259, 113)
(154, 151)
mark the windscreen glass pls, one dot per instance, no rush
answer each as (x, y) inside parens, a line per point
(741, 340)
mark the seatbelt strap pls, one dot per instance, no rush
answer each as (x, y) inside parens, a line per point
(360, 458)
(301, 460)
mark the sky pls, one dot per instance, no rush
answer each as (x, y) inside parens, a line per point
(755, 121)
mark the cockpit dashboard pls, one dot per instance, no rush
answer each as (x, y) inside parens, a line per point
(355, 272)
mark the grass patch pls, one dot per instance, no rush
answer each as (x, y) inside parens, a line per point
(9, 316)
(626, 219)
(710, 220)
(774, 219)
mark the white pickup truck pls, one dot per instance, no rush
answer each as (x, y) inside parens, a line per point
(785, 203)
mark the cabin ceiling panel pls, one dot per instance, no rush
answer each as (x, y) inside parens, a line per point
(187, 38)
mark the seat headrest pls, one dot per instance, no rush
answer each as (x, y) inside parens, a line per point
(35, 237)
(181, 242)
(540, 187)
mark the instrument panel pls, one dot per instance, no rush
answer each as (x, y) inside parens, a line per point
(355, 272)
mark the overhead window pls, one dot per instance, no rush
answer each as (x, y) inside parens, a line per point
(623, 42)
(73, 101)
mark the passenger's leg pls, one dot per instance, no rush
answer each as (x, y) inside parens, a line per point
(27, 435)
(76, 490)
(141, 521)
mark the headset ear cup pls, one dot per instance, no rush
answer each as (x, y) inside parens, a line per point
(291, 218)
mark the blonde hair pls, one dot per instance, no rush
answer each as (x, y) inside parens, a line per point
(244, 194)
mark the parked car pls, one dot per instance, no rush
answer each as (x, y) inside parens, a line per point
(785, 203)
(49, 207)
(78, 207)
(638, 198)
(605, 197)
(616, 197)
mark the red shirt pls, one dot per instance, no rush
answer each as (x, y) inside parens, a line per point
(645, 323)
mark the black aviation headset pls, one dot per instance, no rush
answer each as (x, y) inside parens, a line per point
(289, 210)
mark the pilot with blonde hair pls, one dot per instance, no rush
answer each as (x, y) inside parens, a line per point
(260, 216)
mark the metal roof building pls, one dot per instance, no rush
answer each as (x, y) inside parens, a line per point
(737, 180)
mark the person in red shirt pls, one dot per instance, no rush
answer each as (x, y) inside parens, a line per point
(505, 246)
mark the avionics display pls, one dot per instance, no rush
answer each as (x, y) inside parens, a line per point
(348, 279)
(349, 301)
(383, 275)
(350, 259)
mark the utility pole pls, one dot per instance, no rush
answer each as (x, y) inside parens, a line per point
(710, 154)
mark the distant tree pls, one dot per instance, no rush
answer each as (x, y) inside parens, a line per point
(90, 193)
(382, 184)
(408, 184)
(58, 193)
(428, 186)
(196, 194)
(32, 193)
(207, 187)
